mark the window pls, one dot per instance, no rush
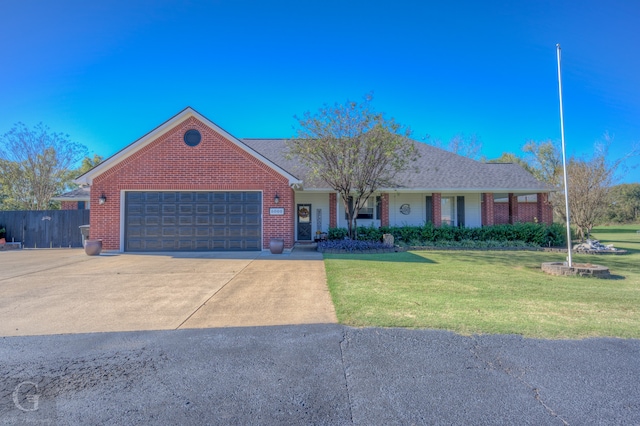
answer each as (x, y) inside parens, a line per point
(81, 205)
(447, 205)
(372, 209)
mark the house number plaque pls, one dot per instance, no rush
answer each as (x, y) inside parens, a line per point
(276, 211)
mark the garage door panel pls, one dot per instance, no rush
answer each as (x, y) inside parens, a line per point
(253, 197)
(252, 220)
(236, 197)
(169, 221)
(202, 244)
(135, 231)
(220, 197)
(203, 209)
(203, 220)
(219, 220)
(152, 232)
(169, 232)
(186, 197)
(151, 197)
(152, 220)
(253, 209)
(169, 209)
(202, 231)
(235, 209)
(169, 197)
(235, 220)
(252, 232)
(174, 220)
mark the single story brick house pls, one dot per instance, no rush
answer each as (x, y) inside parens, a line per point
(190, 185)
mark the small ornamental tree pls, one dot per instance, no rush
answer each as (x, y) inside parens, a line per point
(354, 149)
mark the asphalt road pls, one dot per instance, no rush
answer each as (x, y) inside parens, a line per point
(316, 374)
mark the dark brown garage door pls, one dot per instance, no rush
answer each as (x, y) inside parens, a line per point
(193, 221)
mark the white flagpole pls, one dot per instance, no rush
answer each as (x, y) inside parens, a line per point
(564, 162)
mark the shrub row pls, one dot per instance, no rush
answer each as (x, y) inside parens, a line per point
(534, 234)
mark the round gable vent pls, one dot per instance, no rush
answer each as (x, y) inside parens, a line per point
(192, 137)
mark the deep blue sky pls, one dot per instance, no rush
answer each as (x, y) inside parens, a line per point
(108, 72)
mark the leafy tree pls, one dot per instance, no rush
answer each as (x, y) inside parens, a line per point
(89, 163)
(354, 149)
(35, 165)
(545, 161)
(625, 203)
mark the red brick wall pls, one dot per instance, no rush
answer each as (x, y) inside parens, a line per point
(333, 212)
(544, 209)
(514, 215)
(437, 209)
(488, 210)
(384, 207)
(68, 205)
(168, 163)
(526, 213)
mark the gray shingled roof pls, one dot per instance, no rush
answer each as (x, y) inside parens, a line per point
(78, 194)
(437, 170)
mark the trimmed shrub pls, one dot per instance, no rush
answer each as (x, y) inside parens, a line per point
(531, 234)
(337, 233)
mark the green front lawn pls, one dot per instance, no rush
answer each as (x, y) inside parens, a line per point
(490, 291)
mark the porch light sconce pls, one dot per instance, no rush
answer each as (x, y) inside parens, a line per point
(102, 199)
(276, 199)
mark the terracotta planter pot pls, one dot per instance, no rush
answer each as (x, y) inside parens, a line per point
(276, 245)
(92, 247)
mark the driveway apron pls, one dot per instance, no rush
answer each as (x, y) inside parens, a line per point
(64, 291)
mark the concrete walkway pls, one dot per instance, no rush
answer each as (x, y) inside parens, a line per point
(65, 291)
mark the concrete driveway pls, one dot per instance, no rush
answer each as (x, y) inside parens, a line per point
(65, 291)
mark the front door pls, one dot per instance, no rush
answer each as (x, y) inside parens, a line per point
(304, 222)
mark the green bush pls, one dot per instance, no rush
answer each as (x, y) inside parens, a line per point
(529, 234)
(337, 233)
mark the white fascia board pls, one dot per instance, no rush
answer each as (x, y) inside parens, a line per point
(441, 190)
(464, 190)
(87, 178)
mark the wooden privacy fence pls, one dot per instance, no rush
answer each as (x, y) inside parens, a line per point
(44, 228)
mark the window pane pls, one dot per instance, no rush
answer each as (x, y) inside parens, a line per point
(447, 211)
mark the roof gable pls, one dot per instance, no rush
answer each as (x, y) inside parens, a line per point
(167, 126)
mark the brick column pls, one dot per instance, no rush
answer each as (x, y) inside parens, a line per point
(513, 208)
(544, 210)
(333, 210)
(384, 209)
(436, 209)
(488, 216)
